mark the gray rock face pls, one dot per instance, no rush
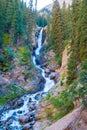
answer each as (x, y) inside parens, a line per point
(25, 119)
(54, 75)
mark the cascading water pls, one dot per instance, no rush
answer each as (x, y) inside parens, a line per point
(49, 83)
(9, 119)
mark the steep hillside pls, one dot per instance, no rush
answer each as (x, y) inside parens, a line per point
(50, 6)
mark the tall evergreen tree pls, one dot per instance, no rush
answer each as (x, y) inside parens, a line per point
(83, 31)
(2, 20)
(74, 59)
(57, 34)
(30, 21)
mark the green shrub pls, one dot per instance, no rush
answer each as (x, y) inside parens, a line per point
(24, 55)
(2, 58)
(59, 115)
(9, 52)
(65, 42)
(63, 101)
(48, 96)
(83, 80)
(2, 100)
(6, 58)
(59, 59)
(6, 39)
(49, 113)
(12, 92)
(61, 83)
(72, 69)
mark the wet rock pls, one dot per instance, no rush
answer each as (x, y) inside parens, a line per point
(33, 122)
(44, 64)
(8, 128)
(47, 71)
(25, 119)
(27, 127)
(18, 103)
(9, 121)
(30, 100)
(38, 96)
(2, 123)
(54, 75)
(40, 60)
(32, 107)
(42, 80)
(19, 112)
(40, 84)
(8, 107)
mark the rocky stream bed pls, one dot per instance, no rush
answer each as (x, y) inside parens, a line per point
(20, 113)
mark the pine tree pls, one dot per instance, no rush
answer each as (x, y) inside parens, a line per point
(17, 27)
(57, 34)
(8, 14)
(30, 21)
(83, 31)
(56, 27)
(66, 21)
(2, 20)
(74, 59)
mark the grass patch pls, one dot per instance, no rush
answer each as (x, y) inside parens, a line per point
(24, 55)
(2, 101)
(48, 96)
(11, 92)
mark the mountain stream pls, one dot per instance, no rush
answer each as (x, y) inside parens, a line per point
(22, 117)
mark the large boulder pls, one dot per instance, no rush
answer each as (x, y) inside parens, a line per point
(18, 103)
(54, 75)
(27, 127)
(32, 107)
(25, 119)
(47, 71)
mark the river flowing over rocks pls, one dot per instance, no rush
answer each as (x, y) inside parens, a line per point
(20, 113)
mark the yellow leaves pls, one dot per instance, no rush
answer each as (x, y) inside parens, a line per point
(22, 49)
(6, 39)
